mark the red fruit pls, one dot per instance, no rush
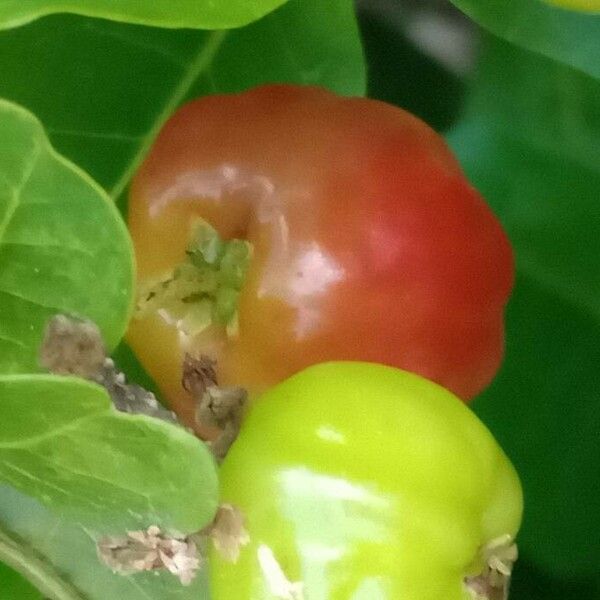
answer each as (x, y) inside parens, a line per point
(368, 242)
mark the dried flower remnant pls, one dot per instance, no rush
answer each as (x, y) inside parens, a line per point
(74, 347)
(493, 583)
(151, 550)
(228, 533)
(220, 407)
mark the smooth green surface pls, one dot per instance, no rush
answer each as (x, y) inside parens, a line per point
(203, 14)
(364, 482)
(103, 89)
(63, 246)
(69, 551)
(62, 443)
(564, 35)
(531, 142)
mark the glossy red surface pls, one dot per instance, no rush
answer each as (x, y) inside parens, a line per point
(369, 243)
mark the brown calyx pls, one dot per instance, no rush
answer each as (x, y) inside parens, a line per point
(217, 406)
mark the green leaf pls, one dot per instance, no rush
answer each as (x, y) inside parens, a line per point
(63, 246)
(15, 587)
(566, 36)
(401, 74)
(104, 89)
(530, 142)
(62, 442)
(528, 583)
(59, 556)
(128, 363)
(203, 14)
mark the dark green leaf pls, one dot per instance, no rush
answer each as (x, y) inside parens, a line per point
(401, 74)
(530, 142)
(63, 246)
(128, 363)
(16, 587)
(104, 89)
(62, 442)
(529, 583)
(566, 36)
(204, 14)
(64, 563)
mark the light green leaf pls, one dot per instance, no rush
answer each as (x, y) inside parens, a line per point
(59, 557)
(566, 36)
(63, 246)
(203, 14)
(530, 142)
(62, 442)
(104, 89)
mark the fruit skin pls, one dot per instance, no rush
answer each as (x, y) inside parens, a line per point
(364, 478)
(369, 243)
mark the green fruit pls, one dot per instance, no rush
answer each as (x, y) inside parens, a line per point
(364, 482)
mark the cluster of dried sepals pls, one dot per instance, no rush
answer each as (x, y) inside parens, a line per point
(75, 347)
(152, 549)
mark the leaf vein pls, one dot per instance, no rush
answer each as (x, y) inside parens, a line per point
(201, 63)
(42, 483)
(55, 309)
(35, 439)
(66, 247)
(15, 199)
(9, 340)
(118, 137)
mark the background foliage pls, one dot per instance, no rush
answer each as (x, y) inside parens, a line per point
(163, 13)
(525, 123)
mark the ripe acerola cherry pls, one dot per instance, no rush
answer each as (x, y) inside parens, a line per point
(287, 226)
